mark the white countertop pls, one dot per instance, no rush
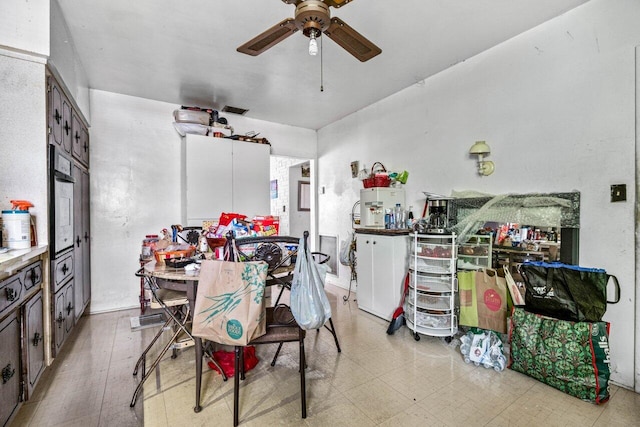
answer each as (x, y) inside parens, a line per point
(16, 258)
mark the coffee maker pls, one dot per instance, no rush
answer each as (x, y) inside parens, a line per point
(437, 214)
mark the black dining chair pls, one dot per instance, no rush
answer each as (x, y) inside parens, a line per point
(281, 327)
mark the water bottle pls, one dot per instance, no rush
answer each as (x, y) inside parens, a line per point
(398, 213)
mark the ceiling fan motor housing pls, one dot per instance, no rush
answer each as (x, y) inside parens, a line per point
(312, 16)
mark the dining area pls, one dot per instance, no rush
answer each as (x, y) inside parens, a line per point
(220, 300)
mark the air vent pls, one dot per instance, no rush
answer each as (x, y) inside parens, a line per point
(234, 110)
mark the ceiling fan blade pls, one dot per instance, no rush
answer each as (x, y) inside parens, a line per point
(351, 40)
(336, 3)
(269, 38)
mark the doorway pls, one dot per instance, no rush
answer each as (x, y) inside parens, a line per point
(292, 195)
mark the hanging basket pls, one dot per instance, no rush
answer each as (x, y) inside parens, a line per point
(378, 177)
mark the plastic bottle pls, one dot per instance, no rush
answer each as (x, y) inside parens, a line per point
(398, 212)
(387, 218)
(410, 217)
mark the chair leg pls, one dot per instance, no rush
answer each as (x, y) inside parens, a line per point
(153, 366)
(333, 332)
(141, 360)
(303, 389)
(236, 385)
(273, 362)
(242, 377)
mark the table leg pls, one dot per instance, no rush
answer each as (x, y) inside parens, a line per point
(191, 297)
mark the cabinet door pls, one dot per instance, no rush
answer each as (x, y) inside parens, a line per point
(67, 135)
(82, 241)
(84, 141)
(76, 136)
(209, 178)
(389, 264)
(364, 245)
(251, 165)
(381, 271)
(33, 341)
(59, 330)
(69, 310)
(9, 366)
(86, 239)
(55, 113)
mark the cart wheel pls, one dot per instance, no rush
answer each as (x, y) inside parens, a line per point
(416, 336)
(476, 363)
(448, 339)
(467, 360)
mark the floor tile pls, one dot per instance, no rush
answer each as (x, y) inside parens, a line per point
(377, 380)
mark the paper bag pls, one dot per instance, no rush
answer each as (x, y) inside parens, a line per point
(491, 294)
(230, 306)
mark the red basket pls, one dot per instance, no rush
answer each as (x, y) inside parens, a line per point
(377, 179)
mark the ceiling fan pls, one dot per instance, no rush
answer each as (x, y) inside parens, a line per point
(313, 18)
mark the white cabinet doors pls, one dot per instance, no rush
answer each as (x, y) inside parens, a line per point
(381, 271)
(223, 175)
(251, 165)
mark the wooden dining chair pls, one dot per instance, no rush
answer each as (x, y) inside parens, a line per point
(281, 327)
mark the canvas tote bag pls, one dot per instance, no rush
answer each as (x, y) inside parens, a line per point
(230, 307)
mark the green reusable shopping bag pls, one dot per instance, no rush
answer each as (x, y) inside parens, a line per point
(468, 298)
(570, 356)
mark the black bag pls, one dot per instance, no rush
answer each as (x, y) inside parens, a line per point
(567, 292)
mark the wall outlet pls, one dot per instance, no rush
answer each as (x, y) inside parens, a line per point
(618, 193)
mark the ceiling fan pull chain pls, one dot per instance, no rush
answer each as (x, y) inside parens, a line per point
(321, 74)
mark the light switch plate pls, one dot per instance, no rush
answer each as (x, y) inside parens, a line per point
(618, 193)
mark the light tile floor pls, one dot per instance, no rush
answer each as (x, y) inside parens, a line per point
(378, 379)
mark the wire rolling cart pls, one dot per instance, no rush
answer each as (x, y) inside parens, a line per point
(430, 305)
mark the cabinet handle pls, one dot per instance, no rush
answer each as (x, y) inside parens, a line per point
(367, 242)
(34, 276)
(374, 242)
(85, 146)
(69, 308)
(86, 236)
(57, 116)
(36, 339)
(7, 373)
(77, 137)
(11, 294)
(65, 268)
(66, 127)
(78, 241)
(60, 319)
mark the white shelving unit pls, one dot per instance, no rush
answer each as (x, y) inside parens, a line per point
(475, 253)
(430, 305)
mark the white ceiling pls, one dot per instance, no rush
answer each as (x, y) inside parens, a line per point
(184, 52)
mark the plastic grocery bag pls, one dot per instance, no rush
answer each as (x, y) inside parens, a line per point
(309, 303)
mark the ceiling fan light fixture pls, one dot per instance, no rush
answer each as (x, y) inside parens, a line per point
(313, 43)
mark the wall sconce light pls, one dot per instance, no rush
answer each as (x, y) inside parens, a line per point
(481, 149)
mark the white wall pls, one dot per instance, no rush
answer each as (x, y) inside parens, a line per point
(65, 62)
(557, 107)
(23, 138)
(136, 184)
(24, 26)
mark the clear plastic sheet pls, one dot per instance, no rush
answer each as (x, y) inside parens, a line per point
(539, 209)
